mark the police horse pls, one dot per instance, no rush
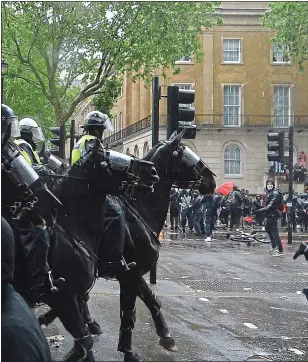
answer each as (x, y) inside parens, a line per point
(76, 236)
(176, 164)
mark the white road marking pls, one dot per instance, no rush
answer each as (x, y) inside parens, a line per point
(250, 325)
(290, 310)
(224, 311)
(299, 292)
(296, 351)
(237, 278)
(184, 277)
(247, 288)
(204, 299)
(284, 337)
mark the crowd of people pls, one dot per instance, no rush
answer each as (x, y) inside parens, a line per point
(199, 214)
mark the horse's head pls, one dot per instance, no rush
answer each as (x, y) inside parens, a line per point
(177, 163)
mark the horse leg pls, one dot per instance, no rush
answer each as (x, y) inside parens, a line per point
(68, 311)
(154, 304)
(48, 317)
(128, 295)
(93, 326)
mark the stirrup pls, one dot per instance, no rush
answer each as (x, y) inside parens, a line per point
(128, 266)
(53, 283)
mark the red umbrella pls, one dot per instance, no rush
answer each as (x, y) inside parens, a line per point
(225, 188)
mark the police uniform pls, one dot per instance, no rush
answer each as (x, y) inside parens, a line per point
(114, 218)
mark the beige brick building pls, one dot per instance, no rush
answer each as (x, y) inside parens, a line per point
(244, 87)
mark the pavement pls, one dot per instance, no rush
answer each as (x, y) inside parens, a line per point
(223, 301)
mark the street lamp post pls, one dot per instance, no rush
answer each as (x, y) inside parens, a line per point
(4, 71)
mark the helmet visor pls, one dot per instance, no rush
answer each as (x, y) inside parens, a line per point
(37, 134)
(108, 125)
(15, 129)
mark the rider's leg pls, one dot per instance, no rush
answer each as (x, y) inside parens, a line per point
(114, 231)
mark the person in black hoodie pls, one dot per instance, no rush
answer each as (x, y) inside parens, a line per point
(235, 207)
(257, 205)
(271, 210)
(22, 339)
(174, 209)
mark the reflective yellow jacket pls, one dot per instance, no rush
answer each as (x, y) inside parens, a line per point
(29, 157)
(80, 148)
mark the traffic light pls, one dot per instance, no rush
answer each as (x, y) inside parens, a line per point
(275, 146)
(180, 113)
(59, 142)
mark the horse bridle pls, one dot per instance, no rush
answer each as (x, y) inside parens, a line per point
(188, 158)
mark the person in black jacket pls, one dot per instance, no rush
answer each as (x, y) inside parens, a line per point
(235, 207)
(22, 339)
(174, 209)
(273, 202)
(257, 205)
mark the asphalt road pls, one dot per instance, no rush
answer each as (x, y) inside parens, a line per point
(223, 301)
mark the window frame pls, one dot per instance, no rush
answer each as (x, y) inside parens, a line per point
(290, 107)
(233, 175)
(183, 61)
(278, 62)
(240, 86)
(240, 61)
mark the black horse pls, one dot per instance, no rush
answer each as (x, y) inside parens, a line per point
(176, 164)
(76, 237)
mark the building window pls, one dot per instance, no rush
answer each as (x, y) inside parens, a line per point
(127, 151)
(282, 106)
(232, 105)
(186, 59)
(280, 56)
(121, 120)
(136, 151)
(186, 86)
(146, 148)
(231, 50)
(232, 161)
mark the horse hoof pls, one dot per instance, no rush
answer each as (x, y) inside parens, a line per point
(132, 357)
(94, 328)
(169, 344)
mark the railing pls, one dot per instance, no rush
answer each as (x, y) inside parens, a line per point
(218, 121)
(130, 130)
(231, 121)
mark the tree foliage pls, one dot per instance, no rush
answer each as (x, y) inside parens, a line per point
(68, 51)
(290, 19)
(109, 93)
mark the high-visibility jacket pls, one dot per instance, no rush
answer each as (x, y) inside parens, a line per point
(80, 148)
(26, 152)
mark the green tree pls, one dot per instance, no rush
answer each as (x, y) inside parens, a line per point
(57, 43)
(290, 19)
(108, 95)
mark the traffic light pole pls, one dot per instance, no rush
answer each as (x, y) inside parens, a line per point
(291, 138)
(155, 140)
(155, 111)
(172, 110)
(62, 137)
(72, 137)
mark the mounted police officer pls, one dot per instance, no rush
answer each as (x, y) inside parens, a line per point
(271, 211)
(31, 136)
(29, 227)
(114, 219)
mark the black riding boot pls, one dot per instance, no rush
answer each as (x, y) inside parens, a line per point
(128, 319)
